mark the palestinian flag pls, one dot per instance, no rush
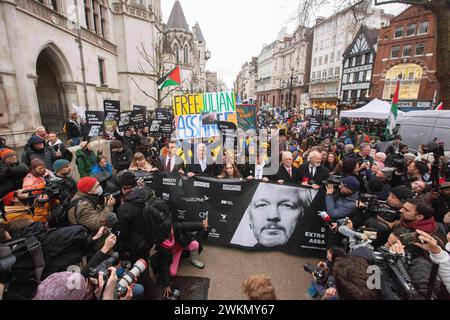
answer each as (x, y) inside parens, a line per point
(394, 111)
(440, 107)
(173, 78)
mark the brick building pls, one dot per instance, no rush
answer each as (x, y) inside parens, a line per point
(407, 47)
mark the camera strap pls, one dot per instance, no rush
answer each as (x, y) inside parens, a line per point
(432, 280)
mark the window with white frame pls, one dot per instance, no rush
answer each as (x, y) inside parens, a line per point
(407, 50)
(423, 27)
(398, 33)
(395, 52)
(411, 29)
(420, 49)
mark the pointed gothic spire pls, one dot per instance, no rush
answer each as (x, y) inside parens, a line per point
(177, 20)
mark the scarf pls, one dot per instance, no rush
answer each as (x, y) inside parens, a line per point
(428, 225)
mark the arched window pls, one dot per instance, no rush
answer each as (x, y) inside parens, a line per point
(186, 54)
(176, 50)
(411, 74)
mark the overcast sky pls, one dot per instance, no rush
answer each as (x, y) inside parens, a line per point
(235, 30)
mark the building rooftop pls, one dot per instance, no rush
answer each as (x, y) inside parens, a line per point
(177, 20)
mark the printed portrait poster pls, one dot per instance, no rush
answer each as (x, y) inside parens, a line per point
(125, 121)
(112, 117)
(249, 214)
(94, 121)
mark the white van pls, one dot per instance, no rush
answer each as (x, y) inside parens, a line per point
(421, 127)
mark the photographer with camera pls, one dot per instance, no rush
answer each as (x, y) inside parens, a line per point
(411, 248)
(417, 214)
(383, 216)
(61, 177)
(323, 275)
(98, 280)
(132, 243)
(343, 205)
(36, 179)
(89, 210)
(437, 255)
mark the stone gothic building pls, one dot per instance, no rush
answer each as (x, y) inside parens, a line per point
(56, 54)
(189, 50)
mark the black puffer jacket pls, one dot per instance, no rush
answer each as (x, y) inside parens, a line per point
(62, 247)
(11, 177)
(132, 242)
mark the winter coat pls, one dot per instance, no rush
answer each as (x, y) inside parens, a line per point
(132, 241)
(62, 247)
(11, 177)
(15, 213)
(98, 170)
(341, 207)
(85, 162)
(122, 160)
(47, 155)
(88, 212)
(73, 129)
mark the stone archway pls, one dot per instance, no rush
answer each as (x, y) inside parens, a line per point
(55, 89)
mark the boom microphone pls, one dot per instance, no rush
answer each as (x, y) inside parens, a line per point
(349, 233)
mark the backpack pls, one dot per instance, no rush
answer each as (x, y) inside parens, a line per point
(59, 216)
(156, 212)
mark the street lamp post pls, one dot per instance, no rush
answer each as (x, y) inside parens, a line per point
(291, 86)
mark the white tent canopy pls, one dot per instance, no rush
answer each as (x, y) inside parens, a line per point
(375, 109)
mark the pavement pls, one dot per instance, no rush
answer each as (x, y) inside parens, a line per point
(227, 268)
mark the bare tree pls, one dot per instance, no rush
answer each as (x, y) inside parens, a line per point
(156, 63)
(440, 8)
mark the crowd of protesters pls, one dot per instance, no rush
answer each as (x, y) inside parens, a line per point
(411, 192)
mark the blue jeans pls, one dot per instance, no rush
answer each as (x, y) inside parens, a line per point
(75, 142)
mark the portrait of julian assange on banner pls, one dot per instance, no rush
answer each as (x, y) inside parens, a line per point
(251, 215)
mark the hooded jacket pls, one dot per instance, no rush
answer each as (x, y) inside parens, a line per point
(11, 177)
(46, 154)
(85, 162)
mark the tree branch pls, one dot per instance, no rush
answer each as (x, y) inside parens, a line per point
(140, 89)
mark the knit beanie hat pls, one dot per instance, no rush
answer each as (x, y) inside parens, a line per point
(62, 286)
(85, 184)
(127, 179)
(351, 182)
(35, 140)
(5, 153)
(37, 162)
(402, 192)
(59, 164)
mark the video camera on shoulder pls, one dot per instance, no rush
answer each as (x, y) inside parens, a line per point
(335, 180)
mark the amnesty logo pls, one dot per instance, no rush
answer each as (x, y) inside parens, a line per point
(231, 187)
(201, 184)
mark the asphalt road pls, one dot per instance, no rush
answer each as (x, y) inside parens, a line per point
(227, 268)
